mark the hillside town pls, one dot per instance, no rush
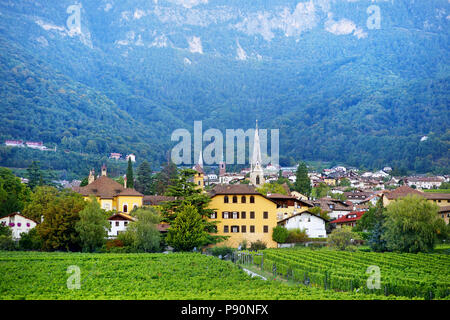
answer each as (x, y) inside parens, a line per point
(246, 212)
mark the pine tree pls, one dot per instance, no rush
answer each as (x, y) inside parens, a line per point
(35, 176)
(130, 178)
(302, 183)
(144, 180)
(187, 230)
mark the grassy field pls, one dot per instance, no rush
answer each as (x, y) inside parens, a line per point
(36, 275)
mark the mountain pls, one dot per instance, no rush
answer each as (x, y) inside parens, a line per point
(348, 81)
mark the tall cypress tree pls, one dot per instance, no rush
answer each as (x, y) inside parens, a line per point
(144, 180)
(130, 178)
(35, 177)
(303, 183)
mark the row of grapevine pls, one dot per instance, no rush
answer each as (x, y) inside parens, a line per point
(410, 275)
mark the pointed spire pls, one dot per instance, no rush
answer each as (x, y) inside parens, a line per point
(200, 159)
(256, 156)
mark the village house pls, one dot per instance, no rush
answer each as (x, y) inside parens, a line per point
(131, 156)
(110, 194)
(14, 143)
(119, 223)
(115, 155)
(350, 219)
(425, 182)
(35, 145)
(334, 207)
(313, 225)
(357, 196)
(18, 223)
(288, 206)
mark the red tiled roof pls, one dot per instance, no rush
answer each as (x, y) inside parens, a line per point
(198, 168)
(402, 191)
(121, 216)
(280, 196)
(436, 196)
(18, 214)
(346, 218)
(156, 200)
(106, 188)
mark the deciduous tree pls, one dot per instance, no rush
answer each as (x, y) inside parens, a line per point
(412, 225)
(92, 226)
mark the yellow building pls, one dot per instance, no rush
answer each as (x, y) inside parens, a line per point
(199, 178)
(330, 181)
(110, 194)
(243, 214)
(441, 199)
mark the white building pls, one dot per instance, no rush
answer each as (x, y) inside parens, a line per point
(425, 182)
(35, 145)
(18, 224)
(14, 143)
(313, 225)
(119, 223)
(132, 157)
(380, 174)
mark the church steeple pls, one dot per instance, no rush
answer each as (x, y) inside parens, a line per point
(200, 175)
(256, 173)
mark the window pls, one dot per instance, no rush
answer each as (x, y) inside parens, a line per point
(252, 214)
(198, 182)
(225, 199)
(107, 206)
(135, 206)
(234, 229)
(252, 229)
(117, 223)
(234, 199)
(252, 199)
(243, 215)
(125, 223)
(225, 229)
(257, 180)
(243, 229)
(266, 229)
(125, 208)
(243, 199)
(214, 215)
(224, 215)
(235, 215)
(265, 215)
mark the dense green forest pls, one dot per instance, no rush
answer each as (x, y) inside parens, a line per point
(361, 101)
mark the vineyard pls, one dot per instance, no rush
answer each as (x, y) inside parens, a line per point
(410, 275)
(35, 275)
